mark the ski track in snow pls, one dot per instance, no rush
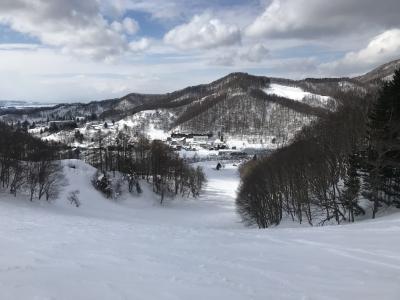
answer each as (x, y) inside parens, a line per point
(193, 249)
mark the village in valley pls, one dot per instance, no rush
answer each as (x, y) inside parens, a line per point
(81, 133)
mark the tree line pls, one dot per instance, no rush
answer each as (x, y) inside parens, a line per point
(28, 164)
(137, 157)
(342, 165)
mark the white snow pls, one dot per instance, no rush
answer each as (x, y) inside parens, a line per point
(290, 92)
(296, 93)
(242, 144)
(149, 117)
(156, 134)
(133, 248)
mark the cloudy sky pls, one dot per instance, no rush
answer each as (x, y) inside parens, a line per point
(75, 50)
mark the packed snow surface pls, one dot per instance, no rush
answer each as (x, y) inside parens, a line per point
(133, 248)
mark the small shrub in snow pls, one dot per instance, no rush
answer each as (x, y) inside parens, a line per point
(133, 182)
(117, 188)
(73, 198)
(138, 188)
(102, 183)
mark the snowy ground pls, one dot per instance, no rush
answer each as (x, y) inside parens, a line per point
(297, 94)
(135, 249)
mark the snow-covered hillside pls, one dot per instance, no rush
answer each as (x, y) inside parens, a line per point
(135, 249)
(208, 108)
(298, 94)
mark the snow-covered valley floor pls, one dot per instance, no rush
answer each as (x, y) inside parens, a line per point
(197, 249)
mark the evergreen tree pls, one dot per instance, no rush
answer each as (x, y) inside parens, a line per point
(383, 154)
(352, 189)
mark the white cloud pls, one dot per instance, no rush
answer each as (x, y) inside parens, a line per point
(226, 59)
(74, 26)
(140, 45)
(244, 56)
(117, 26)
(130, 26)
(317, 18)
(204, 47)
(381, 49)
(203, 32)
(18, 46)
(48, 75)
(159, 9)
(167, 11)
(255, 53)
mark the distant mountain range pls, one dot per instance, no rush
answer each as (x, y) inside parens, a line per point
(238, 104)
(15, 104)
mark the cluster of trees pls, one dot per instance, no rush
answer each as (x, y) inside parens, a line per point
(103, 183)
(341, 166)
(27, 164)
(266, 115)
(55, 126)
(382, 154)
(154, 161)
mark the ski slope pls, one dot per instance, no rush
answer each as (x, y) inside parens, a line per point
(193, 249)
(297, 94)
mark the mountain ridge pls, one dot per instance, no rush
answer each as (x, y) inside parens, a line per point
(382, 72)
(237, 104)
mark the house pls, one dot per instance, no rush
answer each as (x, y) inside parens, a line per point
(179, 141)
(80, 119)
(200, 139)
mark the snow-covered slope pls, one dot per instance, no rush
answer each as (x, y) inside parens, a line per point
(134, 249)
(384, 72)
(298, 94)
(214, 107)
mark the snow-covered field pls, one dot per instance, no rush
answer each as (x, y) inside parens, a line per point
(187, 249)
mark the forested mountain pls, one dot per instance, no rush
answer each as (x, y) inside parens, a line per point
(237, 105)
(383, 72)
